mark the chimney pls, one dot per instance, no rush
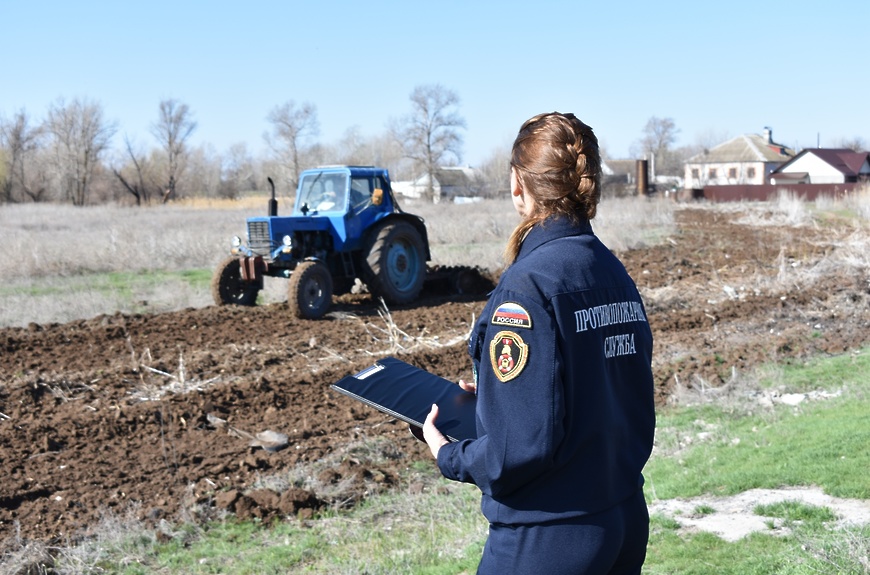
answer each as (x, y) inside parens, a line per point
(768, 135)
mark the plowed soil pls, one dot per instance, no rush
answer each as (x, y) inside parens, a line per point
(100, 414)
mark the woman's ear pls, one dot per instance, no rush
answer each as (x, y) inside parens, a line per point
(516, 185)
(522, 203)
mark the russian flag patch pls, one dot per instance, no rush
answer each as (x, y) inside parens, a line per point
(512, 314)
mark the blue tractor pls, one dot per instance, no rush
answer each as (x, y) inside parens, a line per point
(346, 228)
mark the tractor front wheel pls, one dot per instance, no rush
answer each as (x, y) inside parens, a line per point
(310, 291)
(395, 264)
(228, 287)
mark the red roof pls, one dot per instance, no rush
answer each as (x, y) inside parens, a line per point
(843, 159)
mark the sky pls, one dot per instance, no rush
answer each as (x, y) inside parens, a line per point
(717, 69)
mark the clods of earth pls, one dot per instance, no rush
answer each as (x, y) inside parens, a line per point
(193, 408)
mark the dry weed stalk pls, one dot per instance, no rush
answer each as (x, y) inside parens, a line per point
(399, 341)
(27, 557)
(64, 391)
(177, 384)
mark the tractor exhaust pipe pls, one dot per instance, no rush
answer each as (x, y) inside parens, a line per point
(273, 203)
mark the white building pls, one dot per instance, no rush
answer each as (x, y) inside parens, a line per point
(746, 159)
(451, 184)
(824, 166)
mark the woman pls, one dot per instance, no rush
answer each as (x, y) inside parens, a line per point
(561, 357)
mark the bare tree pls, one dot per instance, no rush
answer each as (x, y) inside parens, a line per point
(204, 170)
(856, 144)
(174, 126)
(709, 139)
(134, 175)
(659, 135)
(292, 129)
(80, 134)
(237, 171)
(494, 173)
(430, 133)
(20, 141)
(380, 150)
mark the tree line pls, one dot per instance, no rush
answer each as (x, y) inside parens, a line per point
(73, 155)
(69, 156)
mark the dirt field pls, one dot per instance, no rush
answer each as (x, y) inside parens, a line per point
(98, 414)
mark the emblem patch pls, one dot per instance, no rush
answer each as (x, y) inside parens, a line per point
(508, 353)
(511, 314)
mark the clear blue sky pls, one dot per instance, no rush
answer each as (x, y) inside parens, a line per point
(721, 69)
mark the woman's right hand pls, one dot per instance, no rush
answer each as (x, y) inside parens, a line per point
(469, 387)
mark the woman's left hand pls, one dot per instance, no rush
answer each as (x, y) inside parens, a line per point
(434, 438)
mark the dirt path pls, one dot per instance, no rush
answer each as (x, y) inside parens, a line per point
(100, 413)
(733, 518)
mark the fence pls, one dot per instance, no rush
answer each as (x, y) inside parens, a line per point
(768, 192)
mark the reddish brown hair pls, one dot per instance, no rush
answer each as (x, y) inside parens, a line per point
(557, 163)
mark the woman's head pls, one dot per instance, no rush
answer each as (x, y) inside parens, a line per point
(557, 164)
(555, 170)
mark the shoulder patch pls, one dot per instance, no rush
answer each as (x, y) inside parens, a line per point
(511, 314)
(508, 354)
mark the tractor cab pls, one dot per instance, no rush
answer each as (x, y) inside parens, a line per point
(352, 198)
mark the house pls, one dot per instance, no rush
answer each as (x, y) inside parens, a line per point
(745, 160)
(824, 166)
(451, 183)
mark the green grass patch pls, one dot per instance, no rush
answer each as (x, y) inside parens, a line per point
(796, 511)
(815, 444)
(439, 532)
(669, 551)
(236, 547)
(123, 283)
(832, 374)
(718, 450)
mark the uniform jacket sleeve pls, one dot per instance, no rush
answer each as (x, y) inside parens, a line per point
(520, 418)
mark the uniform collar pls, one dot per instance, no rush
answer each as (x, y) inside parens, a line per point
(550, 229)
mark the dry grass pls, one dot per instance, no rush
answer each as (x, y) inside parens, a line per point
(846, 243)
(52, 240)
(58, 258)
(632, 223)
(61, 263)
(845, 249)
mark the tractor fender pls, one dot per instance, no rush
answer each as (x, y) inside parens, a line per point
(309, 259)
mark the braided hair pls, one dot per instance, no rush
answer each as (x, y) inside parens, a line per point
(557, 162)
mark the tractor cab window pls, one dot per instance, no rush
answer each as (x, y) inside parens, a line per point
(360, 193)
(322, 192)
(366, 191)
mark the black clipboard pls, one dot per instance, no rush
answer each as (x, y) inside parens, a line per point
(407, 393)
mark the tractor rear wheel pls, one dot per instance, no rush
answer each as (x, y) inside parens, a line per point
(310, 291)
(228, 287)
(395, 262)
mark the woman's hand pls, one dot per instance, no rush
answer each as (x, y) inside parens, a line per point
(469, 387)
(434, 438)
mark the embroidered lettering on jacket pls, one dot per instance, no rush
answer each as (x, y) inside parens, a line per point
(616, 345)
(609, 314)
(618, 313)
(508, 354)
(511, 314)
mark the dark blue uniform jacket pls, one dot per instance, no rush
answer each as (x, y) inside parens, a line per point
(565, 413)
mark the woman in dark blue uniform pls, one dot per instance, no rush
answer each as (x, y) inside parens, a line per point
(561, 356)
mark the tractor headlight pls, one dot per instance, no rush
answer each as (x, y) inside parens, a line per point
(288, 244)
(236, 243)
